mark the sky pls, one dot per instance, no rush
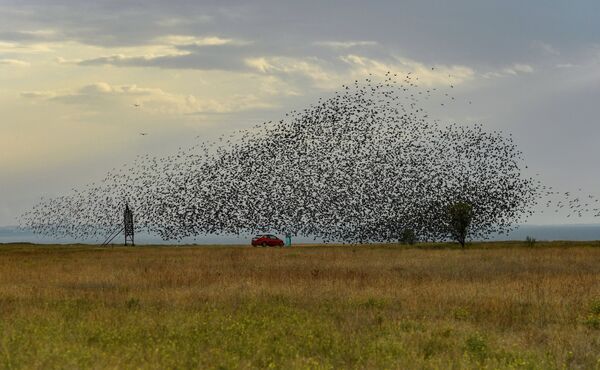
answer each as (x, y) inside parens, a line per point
(80, 80)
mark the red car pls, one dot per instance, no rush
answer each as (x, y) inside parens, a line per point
(267, 240)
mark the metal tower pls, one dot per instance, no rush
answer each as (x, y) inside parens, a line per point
(128, 224)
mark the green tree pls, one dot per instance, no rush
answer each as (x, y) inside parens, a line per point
(460, 215)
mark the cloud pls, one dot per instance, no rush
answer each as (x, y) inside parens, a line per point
(210, 60)
(24, 48)
(326, 71)
(183, 21)
(546, 48)
(428, 75)
(566, 65)
(187, 40)
(36, 94)
(512, 70)
(149, 100)
(313, 68)
(345, 44)
(176, 52)
(30, 36)
(331, 74)
(14, 62)
(27, 42)
(324, 64)
(516, 69)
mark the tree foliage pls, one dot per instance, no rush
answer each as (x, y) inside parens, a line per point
(460, 216)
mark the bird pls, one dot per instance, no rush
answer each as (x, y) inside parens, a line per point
(364, 163)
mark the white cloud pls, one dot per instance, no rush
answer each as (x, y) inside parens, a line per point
(24, 48)
(428, 75)
(179, 21)
(37, 94)
(345, 44)
(171, 52)
(101, 95)
(43, 33)
(313, 68)
(14, 62)
(566, 65)
(187, 40)
(512, 70)
(328, 75)
(518, 68)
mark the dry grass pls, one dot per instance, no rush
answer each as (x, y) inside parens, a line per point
(495, 305)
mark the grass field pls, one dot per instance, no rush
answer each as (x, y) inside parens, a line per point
(493, 305)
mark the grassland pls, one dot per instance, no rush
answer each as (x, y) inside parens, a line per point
(500, 305)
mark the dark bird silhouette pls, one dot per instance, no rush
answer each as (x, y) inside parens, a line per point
(364, 164)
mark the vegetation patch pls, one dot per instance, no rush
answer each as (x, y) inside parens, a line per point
(487, 306)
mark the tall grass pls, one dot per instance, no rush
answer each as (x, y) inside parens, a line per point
(495, 305)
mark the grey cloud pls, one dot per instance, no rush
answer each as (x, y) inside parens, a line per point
(459, 32)
(189, 61)
(107, 23)
(229, 56)
(234, 54)
(29, 36)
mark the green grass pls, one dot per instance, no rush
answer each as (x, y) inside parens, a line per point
(496, 305)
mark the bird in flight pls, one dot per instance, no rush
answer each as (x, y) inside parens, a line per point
(383, 133)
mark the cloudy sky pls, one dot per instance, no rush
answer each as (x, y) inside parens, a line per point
(72, 73)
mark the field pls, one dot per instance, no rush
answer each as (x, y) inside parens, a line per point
(493, 305)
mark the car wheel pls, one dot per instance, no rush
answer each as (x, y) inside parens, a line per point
(264, 245)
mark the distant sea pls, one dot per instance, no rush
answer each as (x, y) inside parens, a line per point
(11, 234)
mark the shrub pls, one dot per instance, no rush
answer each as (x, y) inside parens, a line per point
(595, 307)
(433, 346)
(592, 320)
(133, 303)
(476, 346)
(461, 313)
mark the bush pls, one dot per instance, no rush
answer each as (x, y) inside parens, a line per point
(461, 313)
(133, 303)
(595, 307)
(475, 345)
(592, 320)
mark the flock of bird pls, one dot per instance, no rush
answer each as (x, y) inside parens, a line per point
(363, 165)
